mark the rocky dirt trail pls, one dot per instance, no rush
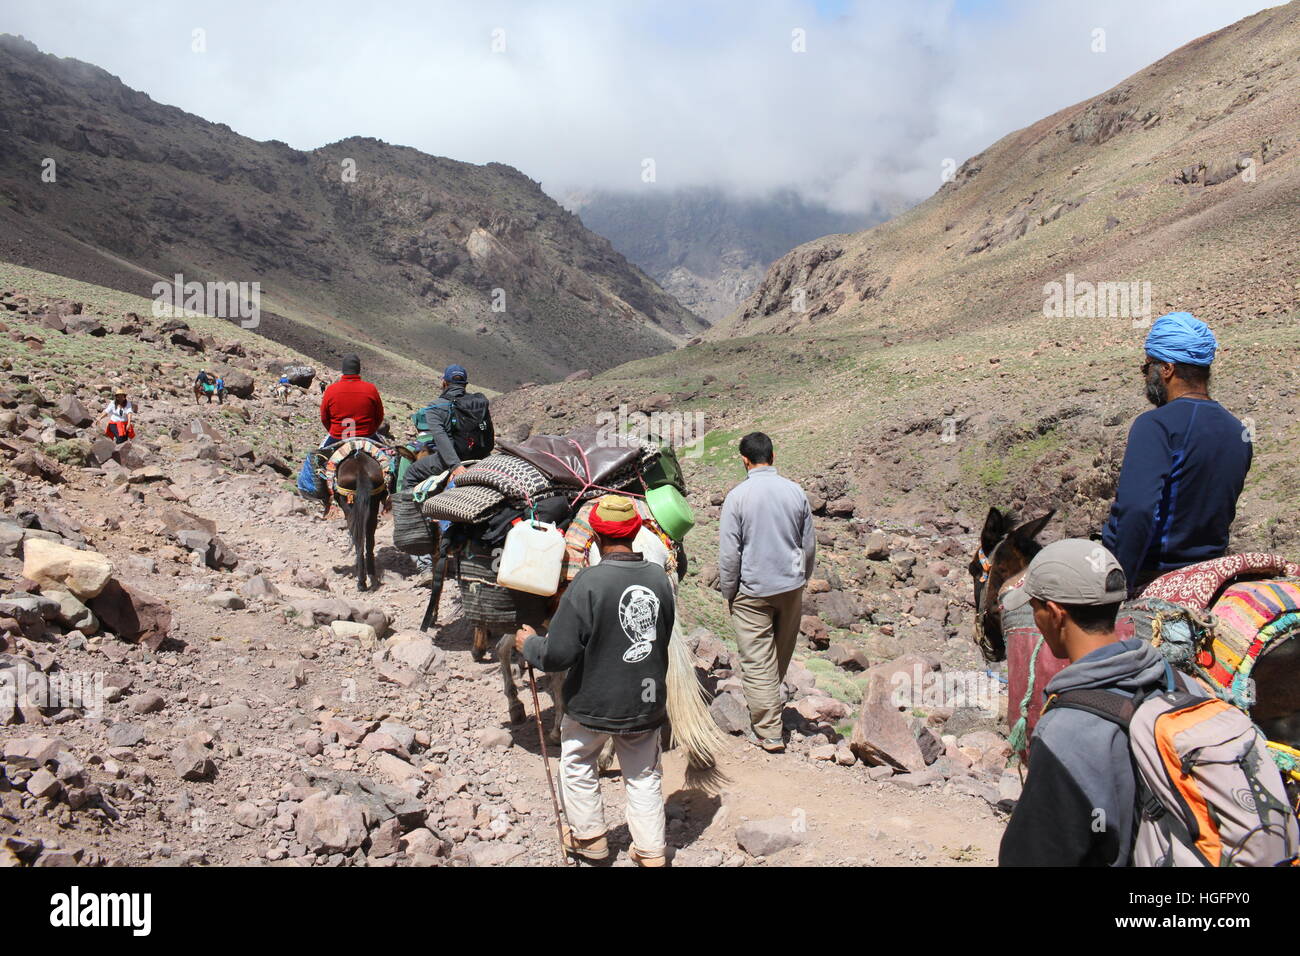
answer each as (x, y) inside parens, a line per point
(200, 682)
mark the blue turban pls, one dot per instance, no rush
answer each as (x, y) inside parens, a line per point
(1181, 337)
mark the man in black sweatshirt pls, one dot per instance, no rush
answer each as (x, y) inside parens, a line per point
(611, 633)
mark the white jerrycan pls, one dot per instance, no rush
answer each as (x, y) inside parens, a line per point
(532, 558)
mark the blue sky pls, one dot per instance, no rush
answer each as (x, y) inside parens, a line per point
(713, 91)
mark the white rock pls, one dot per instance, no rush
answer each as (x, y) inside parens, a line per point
(83, 573)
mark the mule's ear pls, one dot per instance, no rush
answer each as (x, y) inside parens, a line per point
(995, 529)
(1032, 529)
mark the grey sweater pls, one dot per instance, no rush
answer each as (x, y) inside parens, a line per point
(766, 544)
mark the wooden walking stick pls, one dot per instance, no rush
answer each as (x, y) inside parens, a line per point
(546, 763)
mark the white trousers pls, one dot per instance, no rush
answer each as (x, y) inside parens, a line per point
(638, 759)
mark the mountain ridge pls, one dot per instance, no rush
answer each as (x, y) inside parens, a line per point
(437, 259)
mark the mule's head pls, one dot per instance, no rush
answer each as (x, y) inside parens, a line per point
(1005, 550)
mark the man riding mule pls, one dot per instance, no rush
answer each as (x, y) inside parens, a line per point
(1185, 463)
(457, 427)
(350, 408)
(1183, 470)
(360, 487)
(205, 386)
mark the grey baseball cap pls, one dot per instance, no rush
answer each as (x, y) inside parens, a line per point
(1073, 571)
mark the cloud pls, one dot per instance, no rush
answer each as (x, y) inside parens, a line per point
(580, 93)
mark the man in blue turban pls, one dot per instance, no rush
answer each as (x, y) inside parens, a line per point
(1185, 464)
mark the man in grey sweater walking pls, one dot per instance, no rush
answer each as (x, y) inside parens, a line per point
(766, 554)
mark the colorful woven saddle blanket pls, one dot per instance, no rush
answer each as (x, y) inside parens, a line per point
(342, 451)
(1198, 585)
(1220, 646)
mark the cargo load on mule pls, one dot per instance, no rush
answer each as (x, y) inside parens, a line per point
(518, 523)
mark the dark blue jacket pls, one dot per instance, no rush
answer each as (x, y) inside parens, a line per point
(1183, 469)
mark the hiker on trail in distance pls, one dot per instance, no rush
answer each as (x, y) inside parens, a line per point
(1185, 464)
(119, 414)
(457, 425)
(350, 408)
(1077, 808)
(766, 553)
(611, 632)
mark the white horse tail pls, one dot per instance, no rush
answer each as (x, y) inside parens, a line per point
(693, 727)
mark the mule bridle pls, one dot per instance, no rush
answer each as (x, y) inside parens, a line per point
(982, 605)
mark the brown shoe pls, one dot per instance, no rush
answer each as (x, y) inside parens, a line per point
(644, 859)
(773, 745)
(589, 848)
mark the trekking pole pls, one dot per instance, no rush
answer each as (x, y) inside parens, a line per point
(546, 763)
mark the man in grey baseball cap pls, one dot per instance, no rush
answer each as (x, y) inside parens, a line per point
(1076, 587)
(1077, 805)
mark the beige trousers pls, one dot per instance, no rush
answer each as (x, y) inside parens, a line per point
(766, 631)
(638, 759)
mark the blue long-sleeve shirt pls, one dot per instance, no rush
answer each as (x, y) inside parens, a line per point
(1184, 468)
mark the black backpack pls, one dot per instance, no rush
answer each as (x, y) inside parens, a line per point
(472, 433)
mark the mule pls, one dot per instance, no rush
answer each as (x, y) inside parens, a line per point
(360, 488)
(1006, 548)
(552, 683)
(1005, 551)
(201, 392)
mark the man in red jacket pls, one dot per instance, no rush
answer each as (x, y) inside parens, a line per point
(350, 408)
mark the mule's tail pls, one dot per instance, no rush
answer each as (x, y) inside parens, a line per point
(360, 514)
(694, 729)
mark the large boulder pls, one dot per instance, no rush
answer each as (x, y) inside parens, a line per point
(215, 552)
(178, 519)
(301, 375)
(882, 735)
(73, 412)
(36, 465)
(133, 615)
(766, 837)
(57, 566)
(240, 384)
(188, 340)
(333, 823)
(72, 612)
(84, 325)
(837, 608)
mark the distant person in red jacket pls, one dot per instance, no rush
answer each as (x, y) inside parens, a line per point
(350, 408)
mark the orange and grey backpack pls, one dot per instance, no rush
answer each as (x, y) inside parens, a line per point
(1208, 792)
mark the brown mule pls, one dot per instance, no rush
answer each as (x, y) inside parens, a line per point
(1005, 551)
(360, 488)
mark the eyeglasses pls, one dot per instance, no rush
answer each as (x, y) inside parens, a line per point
(1145, 367)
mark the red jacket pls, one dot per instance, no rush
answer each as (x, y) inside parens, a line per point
(351, 408)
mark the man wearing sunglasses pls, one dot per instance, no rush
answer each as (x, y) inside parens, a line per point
(1185, 464)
